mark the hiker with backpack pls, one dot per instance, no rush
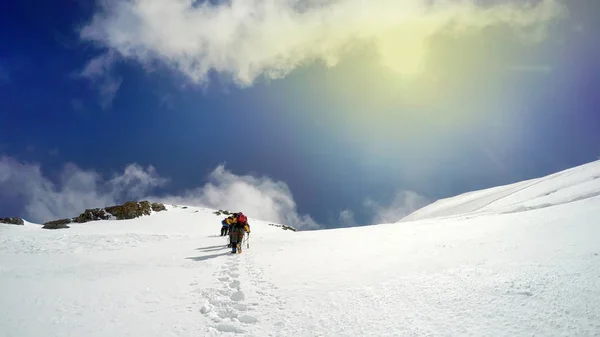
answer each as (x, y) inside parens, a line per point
(237, 232)
(226, 224)
(231, 220)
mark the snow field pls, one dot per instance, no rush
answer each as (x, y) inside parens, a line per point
(517, 260)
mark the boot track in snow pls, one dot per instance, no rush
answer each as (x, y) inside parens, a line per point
(242, 297)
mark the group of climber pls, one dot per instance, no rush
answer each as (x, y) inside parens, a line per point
(236, 225)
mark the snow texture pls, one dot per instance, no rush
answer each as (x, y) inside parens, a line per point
(517, 260)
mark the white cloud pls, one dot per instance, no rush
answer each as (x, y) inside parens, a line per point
(134, 182)
(77, 189)
(347, 218)
(403, 203)
(100, 71)
(258, 197)
(251, 38)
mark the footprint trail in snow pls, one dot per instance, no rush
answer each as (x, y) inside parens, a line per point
(225, 306)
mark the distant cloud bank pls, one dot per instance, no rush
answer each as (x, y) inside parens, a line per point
(77, 189)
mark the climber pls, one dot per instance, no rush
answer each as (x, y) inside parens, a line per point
(245, 223)
(225, 226)
(233, 221)
(237, 232)
(236, 235)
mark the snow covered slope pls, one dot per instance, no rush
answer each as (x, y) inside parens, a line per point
(567, 186)
(169, 274)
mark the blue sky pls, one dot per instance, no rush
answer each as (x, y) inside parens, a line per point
(299, 116)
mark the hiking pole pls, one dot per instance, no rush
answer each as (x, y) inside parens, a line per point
(248, 241)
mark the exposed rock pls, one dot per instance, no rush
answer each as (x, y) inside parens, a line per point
(57, 224)
(157, 207)
(130, 210)
(221, 212)
(92, 215)
(284, 227)
(12, 221)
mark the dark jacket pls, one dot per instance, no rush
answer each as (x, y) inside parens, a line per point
(237, 232)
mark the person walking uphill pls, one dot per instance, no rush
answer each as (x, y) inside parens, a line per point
(226, 224)
(237, 232)
(224, 227)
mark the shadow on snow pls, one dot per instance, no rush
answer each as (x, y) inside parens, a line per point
(209, 248)
(207, 257)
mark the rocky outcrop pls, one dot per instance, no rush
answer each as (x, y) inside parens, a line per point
(128, 210)
(92, 215)
(158, 207)
(12, 221)
(221, 212)
(57, 224)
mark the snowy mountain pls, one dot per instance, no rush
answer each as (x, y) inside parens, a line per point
(567, 186)
(516, 260)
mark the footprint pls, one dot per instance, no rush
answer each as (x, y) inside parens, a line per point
(247, 319)
(228, 314)
(238, 296)
(235, 284)
(205, 308)
(234, 275)
(224, 278)
(241, 307)
(223, 327)
(224, 292)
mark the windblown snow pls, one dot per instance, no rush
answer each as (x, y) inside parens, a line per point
(516, 260)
